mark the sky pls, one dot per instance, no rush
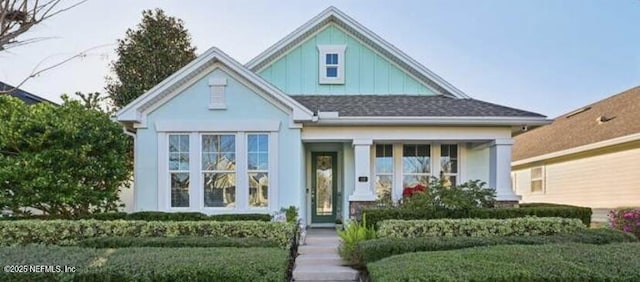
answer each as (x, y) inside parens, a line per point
(545, 56)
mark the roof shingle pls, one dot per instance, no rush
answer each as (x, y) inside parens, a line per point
(407, 106)
(583, 126)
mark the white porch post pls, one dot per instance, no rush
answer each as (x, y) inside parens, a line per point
(362, 154)
(500, 170)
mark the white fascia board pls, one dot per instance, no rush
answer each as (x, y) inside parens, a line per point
(132, 111)
(580, 149)
(485, 121)
(394, 51)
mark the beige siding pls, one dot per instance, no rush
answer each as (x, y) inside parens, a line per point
(602, 181)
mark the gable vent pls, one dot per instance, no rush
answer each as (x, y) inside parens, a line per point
(218, 99)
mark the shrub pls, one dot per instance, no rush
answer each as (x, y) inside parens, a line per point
(374, 250)
(67, 161)
(175, 242)
(66, 232)
(626, 219)
(159, 216)
(551, 262)
(376, 215)
(352, 234)
(148, 264)
(477, 227)
(440, 195)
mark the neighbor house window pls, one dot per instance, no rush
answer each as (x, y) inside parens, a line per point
(384, 170)
(331, 64)
(258, 169)
(449, 164)
(219, 170)
(537, 179)
(179, 170)
(416, 165)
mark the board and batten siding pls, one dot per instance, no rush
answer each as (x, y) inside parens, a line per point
(366, 72)
(602, 181)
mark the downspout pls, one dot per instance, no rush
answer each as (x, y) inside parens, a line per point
(135, 171)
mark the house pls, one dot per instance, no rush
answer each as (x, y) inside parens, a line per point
(22, 95)
(328, 119)
(588, 157)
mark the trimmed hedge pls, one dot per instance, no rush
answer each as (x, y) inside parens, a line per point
(552, 262)
(148, 264)
(176, 242)
(69, 232)
(477, 227)
(540, 210)
(158, 216)
(374, 250)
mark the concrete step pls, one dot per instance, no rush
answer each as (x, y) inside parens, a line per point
(329, 249)
(322, 240)
(319, 259)
(324, 273)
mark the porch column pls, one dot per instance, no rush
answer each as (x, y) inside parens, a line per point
(362, 154)
(500, 171)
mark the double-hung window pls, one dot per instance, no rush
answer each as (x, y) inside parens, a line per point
(331, 64)
(416, 164)
(219, 170)
(449, 163)
(384, 171)
(179, 170)
(537, 180)
(258, 169)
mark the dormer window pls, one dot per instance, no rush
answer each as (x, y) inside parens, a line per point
(331, 64)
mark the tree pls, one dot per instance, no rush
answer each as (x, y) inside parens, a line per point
(94, 101)
(66, 161)
(158, 48)
(17, 17)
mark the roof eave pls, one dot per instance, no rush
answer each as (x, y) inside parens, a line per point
(436, 121)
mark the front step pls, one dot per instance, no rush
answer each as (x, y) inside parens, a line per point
(318, 259)
(324, 273)
(315, 249)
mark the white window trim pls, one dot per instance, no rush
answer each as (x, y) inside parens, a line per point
(196, 178)
(542, 179)
(457, 174)
(398, 173)
(323, 50)
(376, 174)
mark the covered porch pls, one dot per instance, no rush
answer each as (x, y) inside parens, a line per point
(347, 168)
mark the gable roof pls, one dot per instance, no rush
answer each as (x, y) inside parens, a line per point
(407, 106)
(23, 95)
(333, 15)
(613, 117)
(136, 110)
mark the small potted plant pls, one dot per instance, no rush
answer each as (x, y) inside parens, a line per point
(338, 223)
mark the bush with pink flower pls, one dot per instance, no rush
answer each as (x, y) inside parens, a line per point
(625, 219)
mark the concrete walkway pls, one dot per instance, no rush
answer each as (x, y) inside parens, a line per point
(318, 259)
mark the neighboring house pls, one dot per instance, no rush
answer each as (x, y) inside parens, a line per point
(22, 95)
(327, 119)
(588, 157)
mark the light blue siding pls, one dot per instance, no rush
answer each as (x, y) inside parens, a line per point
(366, 72)
(242, 104)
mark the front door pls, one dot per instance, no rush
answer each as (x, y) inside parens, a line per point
(324, 186)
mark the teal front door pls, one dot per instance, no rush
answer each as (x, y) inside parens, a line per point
(324, 190)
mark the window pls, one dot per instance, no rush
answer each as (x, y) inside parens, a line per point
(219, 170)
(537, 179)
(416, 165)
(258, 169)
(449, 164)
(384, 171)
(179, 170)
(331, 64)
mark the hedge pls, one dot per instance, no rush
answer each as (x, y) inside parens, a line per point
(477, 227)
(69, 232)
(176, 242)
(374, 250)
(551, 262)
(158, 216)
(540, 210)
(147, 264)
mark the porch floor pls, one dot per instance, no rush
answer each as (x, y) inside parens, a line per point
(318, 258)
